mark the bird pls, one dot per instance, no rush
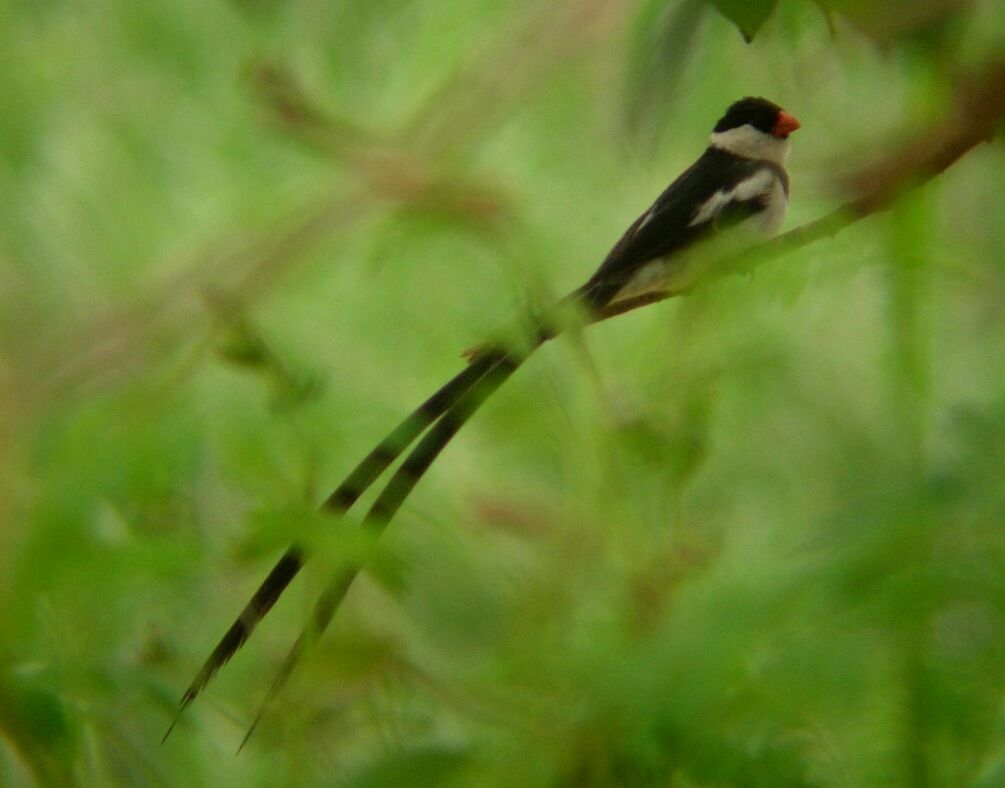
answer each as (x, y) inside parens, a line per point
(739, 181)
(735, 191)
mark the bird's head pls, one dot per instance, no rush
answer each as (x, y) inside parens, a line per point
(755, 128)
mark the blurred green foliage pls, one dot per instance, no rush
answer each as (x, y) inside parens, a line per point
(750, 537)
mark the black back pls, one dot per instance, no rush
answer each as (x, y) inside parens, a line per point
(666, 227)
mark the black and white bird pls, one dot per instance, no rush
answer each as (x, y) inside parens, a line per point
(737, 185)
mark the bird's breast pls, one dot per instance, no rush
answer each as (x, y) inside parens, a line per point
(771, 218)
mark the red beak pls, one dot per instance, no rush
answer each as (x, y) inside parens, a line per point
(785, 124)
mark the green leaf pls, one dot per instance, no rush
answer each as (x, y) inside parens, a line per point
(747, 15)
(664, 39)
(428, 766)
(34, 720)
(934, 25)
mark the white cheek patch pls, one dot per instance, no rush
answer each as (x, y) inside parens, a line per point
(748, 142)
(757, 184)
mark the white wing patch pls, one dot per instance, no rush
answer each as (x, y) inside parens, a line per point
(764, 181)
(648, 218)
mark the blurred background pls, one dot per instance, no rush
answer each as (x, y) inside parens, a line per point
(752, 537)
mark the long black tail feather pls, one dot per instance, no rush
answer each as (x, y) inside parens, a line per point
(344, 496)
(388, 503)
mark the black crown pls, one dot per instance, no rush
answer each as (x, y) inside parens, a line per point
(757, 112)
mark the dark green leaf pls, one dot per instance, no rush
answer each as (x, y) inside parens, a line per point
(420, 768)
(747, 15)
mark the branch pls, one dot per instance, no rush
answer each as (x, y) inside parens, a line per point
(979, 106)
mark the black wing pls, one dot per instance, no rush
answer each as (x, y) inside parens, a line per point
(666, 227)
